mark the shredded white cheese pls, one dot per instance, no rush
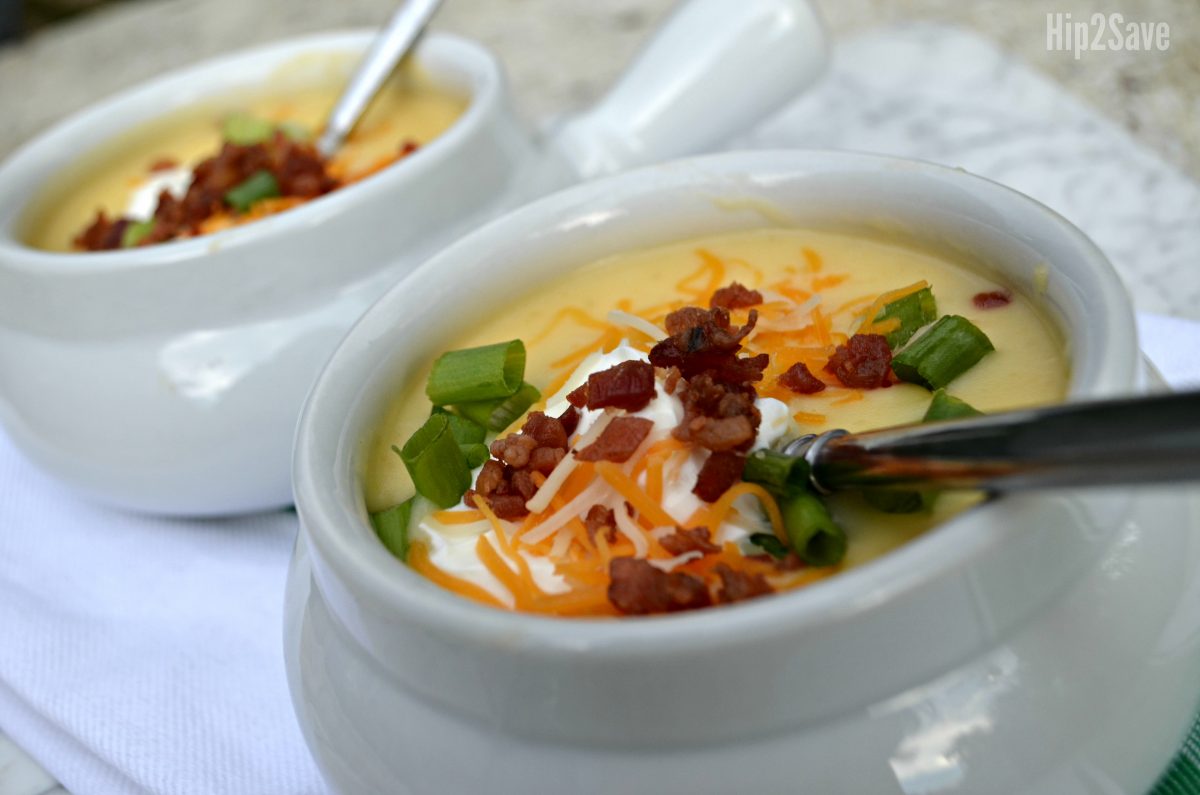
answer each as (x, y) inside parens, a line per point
(619, 318)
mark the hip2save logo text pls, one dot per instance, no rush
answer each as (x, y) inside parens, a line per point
(1104, 33)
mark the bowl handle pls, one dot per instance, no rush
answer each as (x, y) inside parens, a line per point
(713, 70)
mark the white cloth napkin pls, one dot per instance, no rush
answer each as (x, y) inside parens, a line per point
(142, 655)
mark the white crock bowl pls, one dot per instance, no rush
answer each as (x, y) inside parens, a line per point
(1040, 644)
(169, 378)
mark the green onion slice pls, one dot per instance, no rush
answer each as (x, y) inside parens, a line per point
(817, 539)
(497, 415)
(475, 454)
(391, 526)
(436, 463)
(897, 501)
(465, 431)
(258, 186)
(942, 407)
(469, 375)
(914, 311)
(947, 407)
(245, 130)
(295, 131)
(136, 232)
(953, 346)
(769, 543)
(776, 472)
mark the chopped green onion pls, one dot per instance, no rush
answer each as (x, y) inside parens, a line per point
(469, 435)
(475, 454)
(436, 463)
(391, 526)
(943, 353)
(295, 131)
(465, 431)
(776, 472)
(947, 407)
(817, 539)
(942, 407)
(473, 374)
(770, 544)
(258, 186)
(245, 130)
(499, 414)
(136, 232)
(897, 501)
(914, 311)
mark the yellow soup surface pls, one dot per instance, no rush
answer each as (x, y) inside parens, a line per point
(408, 109)
(817, 288)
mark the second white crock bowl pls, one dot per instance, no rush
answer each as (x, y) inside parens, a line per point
(168, 378)
(1044, 644)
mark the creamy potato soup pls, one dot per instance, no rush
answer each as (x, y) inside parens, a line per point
(210, 168)
(610, 445)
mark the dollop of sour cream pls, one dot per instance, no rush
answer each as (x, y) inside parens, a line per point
(144, 200)
(452, 547)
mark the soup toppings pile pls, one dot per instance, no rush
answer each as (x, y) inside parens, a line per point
(651, 480)
(262, 168)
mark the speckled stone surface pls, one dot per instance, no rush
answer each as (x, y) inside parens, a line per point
(562, 53)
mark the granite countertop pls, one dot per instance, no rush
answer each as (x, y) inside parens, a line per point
(561, 54)
(1155, 95)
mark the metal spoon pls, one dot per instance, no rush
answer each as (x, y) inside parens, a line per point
(397, 37)
(1108, 442)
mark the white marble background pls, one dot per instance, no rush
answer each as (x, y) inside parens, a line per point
(947, 95)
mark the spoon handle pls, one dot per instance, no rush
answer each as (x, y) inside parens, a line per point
(386, 51)
(1125, 441)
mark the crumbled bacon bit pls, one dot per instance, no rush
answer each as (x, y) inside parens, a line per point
(102, 234)
(738, 586)
(600, 517)
(628, 385)
(717, 416)
(514, 449)
(689, 539)
(163, 164)
(702, 341)
(671, 380)
(619, 439)
(490, 477)
(992, 300)
(522, 483)
(864, 362)
(509, 507)
(638, 588)
(578, 397)
(298, 168)
(720, 471)
(546, 431)
(714, 384)
(545, 459)
(800, 380)
(569, 420)
(506, 481)
(735, 296)
(408, 147)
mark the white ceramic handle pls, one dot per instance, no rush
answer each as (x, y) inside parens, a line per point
(713, 70)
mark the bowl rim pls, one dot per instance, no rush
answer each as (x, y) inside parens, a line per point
(401, 592)
(484, 99)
